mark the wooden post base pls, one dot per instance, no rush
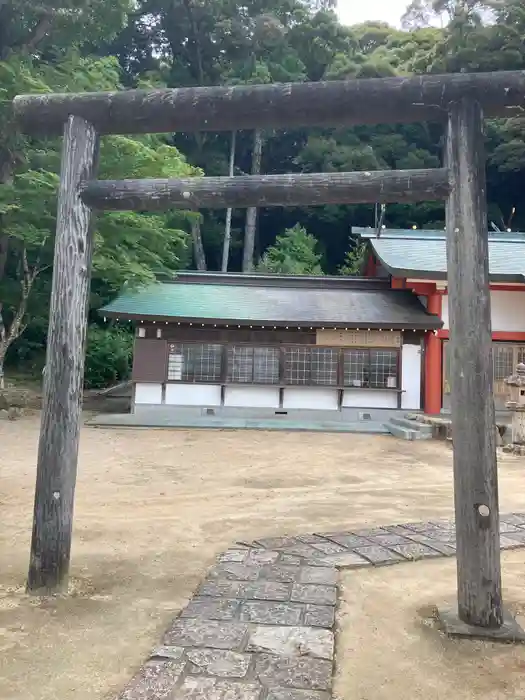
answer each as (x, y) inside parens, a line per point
(509, 631)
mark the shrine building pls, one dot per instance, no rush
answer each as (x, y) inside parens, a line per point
(269, 345)
(415, 261)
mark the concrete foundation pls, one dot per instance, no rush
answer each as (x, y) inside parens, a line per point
(510, 630)
(347, 420)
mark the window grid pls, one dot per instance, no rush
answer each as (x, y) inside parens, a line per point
(383, 369)
(324, 363)
(297, 366)
(266, 365)
(373, 369)
(195, 362)
(355, 368)
(503, 361)
(302, 365)
(240, 365)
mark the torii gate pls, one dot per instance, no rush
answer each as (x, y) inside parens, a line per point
(461, 100)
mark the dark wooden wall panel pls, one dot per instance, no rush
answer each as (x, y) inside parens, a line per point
(413, 337)
(150, 360)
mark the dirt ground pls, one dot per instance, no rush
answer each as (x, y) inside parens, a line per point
(387, 650)
(153, 508)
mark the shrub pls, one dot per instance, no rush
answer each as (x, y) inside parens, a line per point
(109, 356)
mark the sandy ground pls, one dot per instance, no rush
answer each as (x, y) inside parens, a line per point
(387, 650)
(153, 508)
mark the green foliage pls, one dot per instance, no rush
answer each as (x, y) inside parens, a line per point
(293, 253)
(108, 357)
(130, 248)
(354, 260)
(133, 249)
(49, 25)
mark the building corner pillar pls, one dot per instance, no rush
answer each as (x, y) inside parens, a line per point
(433, 361)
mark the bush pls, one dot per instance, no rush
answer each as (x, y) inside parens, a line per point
(293, 253)
(108, 357)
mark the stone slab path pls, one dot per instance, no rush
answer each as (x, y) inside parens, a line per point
(261, 625)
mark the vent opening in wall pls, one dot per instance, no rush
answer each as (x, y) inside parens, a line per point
(365, 416)
(281, 413)
(210, 411)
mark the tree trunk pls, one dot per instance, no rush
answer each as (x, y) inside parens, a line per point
(251, 213)
(198, 247)
(229, 211)
(195, 35)
(16, 327)
(6, 162)
(472, 398)
(64, 371)
(4, 250)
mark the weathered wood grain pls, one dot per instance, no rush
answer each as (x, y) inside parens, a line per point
(64, 371)
(269, 190)
(368, 101)
(473, 415)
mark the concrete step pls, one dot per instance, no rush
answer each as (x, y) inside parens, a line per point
(402, 433)
(423, 428)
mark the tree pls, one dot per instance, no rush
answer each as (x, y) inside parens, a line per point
(229, 211)
(130, 248)
(422, 13)
(251, 212)
(293, 253)
(34, 41)
(354, 259)
(109, 356)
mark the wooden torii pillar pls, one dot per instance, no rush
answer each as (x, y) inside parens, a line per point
(64, 369)
(458, 99)
(473, 413)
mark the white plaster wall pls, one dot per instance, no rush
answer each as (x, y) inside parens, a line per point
(252, 396)
(363, 398)
(320, 398)
(508, 311)
(193, 395)
(148, 393)
(411, 376)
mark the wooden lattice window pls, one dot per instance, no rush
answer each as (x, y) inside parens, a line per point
(194, 362)
(373, 369)
(311, 366)
(384, 369)
(251, 365)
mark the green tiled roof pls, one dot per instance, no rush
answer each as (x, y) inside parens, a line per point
(314, 302)
(422, 254)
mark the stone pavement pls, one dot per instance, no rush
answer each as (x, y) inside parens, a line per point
(261, 625)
